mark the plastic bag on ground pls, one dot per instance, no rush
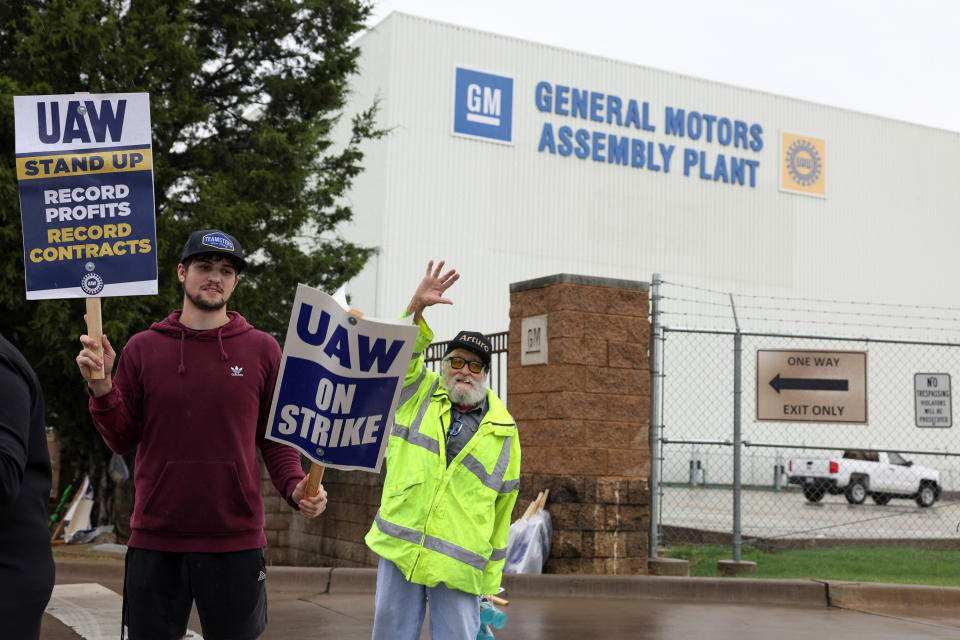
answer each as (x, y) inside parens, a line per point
(77, 518)
(528, 545)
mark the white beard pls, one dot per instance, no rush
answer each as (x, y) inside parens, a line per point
(464, 394)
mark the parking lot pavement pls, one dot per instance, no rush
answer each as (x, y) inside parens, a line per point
(338, 604)
(787, 514)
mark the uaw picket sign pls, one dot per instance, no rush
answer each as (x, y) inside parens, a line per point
(339, 383)
(85, 175)
(933, 405)
(811, 386)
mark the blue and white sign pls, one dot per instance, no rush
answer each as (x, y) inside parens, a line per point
(85, 173)
(339, 383)
(483, 105)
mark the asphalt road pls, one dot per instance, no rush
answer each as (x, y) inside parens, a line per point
(338, 604)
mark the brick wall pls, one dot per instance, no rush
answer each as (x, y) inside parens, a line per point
(334, 539)
(584, 419)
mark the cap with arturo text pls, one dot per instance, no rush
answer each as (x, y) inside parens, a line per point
(213, 241)
(472, 341)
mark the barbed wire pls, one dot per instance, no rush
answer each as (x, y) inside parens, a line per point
(697, 315)
(818, 300)
(888, 317)
(706, 302)
(816, 311)
(766, 321)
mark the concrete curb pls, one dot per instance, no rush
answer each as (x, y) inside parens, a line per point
(803, 593)
(71, 570)
(874, 595)
(322, 579)
(774, 592)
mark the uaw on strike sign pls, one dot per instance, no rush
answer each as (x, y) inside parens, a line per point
(339, 383)
(85, 172)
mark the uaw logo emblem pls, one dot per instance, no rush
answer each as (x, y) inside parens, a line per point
(803, 164)
(92, 284)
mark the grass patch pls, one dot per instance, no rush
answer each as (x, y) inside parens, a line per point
(902, 565)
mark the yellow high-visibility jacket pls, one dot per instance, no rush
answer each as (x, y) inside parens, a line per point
(439, 523)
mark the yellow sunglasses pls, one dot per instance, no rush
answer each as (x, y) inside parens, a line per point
(475, 366)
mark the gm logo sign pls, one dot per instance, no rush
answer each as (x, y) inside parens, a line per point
(483, 106)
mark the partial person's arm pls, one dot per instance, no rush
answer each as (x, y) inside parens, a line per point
(429, 292)
(14, 430)
(114, 403)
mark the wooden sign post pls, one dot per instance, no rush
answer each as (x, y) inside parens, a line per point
(95, 331)
(94, 316)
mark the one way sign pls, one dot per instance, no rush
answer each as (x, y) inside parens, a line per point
(812, 386)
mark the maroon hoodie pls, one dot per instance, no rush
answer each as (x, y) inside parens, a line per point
(195, 405)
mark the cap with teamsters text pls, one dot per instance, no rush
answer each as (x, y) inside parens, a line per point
(216, 242)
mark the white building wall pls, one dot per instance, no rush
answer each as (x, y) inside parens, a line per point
(505, 213)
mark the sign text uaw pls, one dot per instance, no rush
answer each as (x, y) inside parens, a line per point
(339, 383)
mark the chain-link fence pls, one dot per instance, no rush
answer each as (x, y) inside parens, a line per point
(782, 439)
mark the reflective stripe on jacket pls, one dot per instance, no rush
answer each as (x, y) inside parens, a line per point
(439, 523)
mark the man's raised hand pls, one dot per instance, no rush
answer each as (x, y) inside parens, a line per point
(431, 289)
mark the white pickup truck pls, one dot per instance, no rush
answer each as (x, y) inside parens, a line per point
(859, 474)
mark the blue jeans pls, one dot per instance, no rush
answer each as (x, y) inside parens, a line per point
(401, 608)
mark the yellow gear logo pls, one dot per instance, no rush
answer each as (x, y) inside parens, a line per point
(803, 162)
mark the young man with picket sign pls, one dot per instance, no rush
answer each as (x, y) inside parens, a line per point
(453, 472)
(192, 395)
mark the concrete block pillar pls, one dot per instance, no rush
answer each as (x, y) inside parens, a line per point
(583, 412)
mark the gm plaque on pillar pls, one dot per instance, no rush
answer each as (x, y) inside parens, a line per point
(533, 336)
(85, 174)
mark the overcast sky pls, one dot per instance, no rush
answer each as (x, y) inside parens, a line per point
(898, 59)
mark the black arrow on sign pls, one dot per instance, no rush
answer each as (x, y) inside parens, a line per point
(810, 384)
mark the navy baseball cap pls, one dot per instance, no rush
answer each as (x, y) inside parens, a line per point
(213, 241)
(472, 341)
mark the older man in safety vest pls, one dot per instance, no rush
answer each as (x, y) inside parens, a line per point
(453, 471)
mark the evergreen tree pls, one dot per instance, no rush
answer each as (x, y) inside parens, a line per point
(244, 97)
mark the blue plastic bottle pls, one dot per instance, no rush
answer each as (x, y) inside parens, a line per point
(490, 615)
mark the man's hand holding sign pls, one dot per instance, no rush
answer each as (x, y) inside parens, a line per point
(96, 363)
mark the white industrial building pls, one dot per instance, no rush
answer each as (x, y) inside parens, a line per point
(514, 160)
